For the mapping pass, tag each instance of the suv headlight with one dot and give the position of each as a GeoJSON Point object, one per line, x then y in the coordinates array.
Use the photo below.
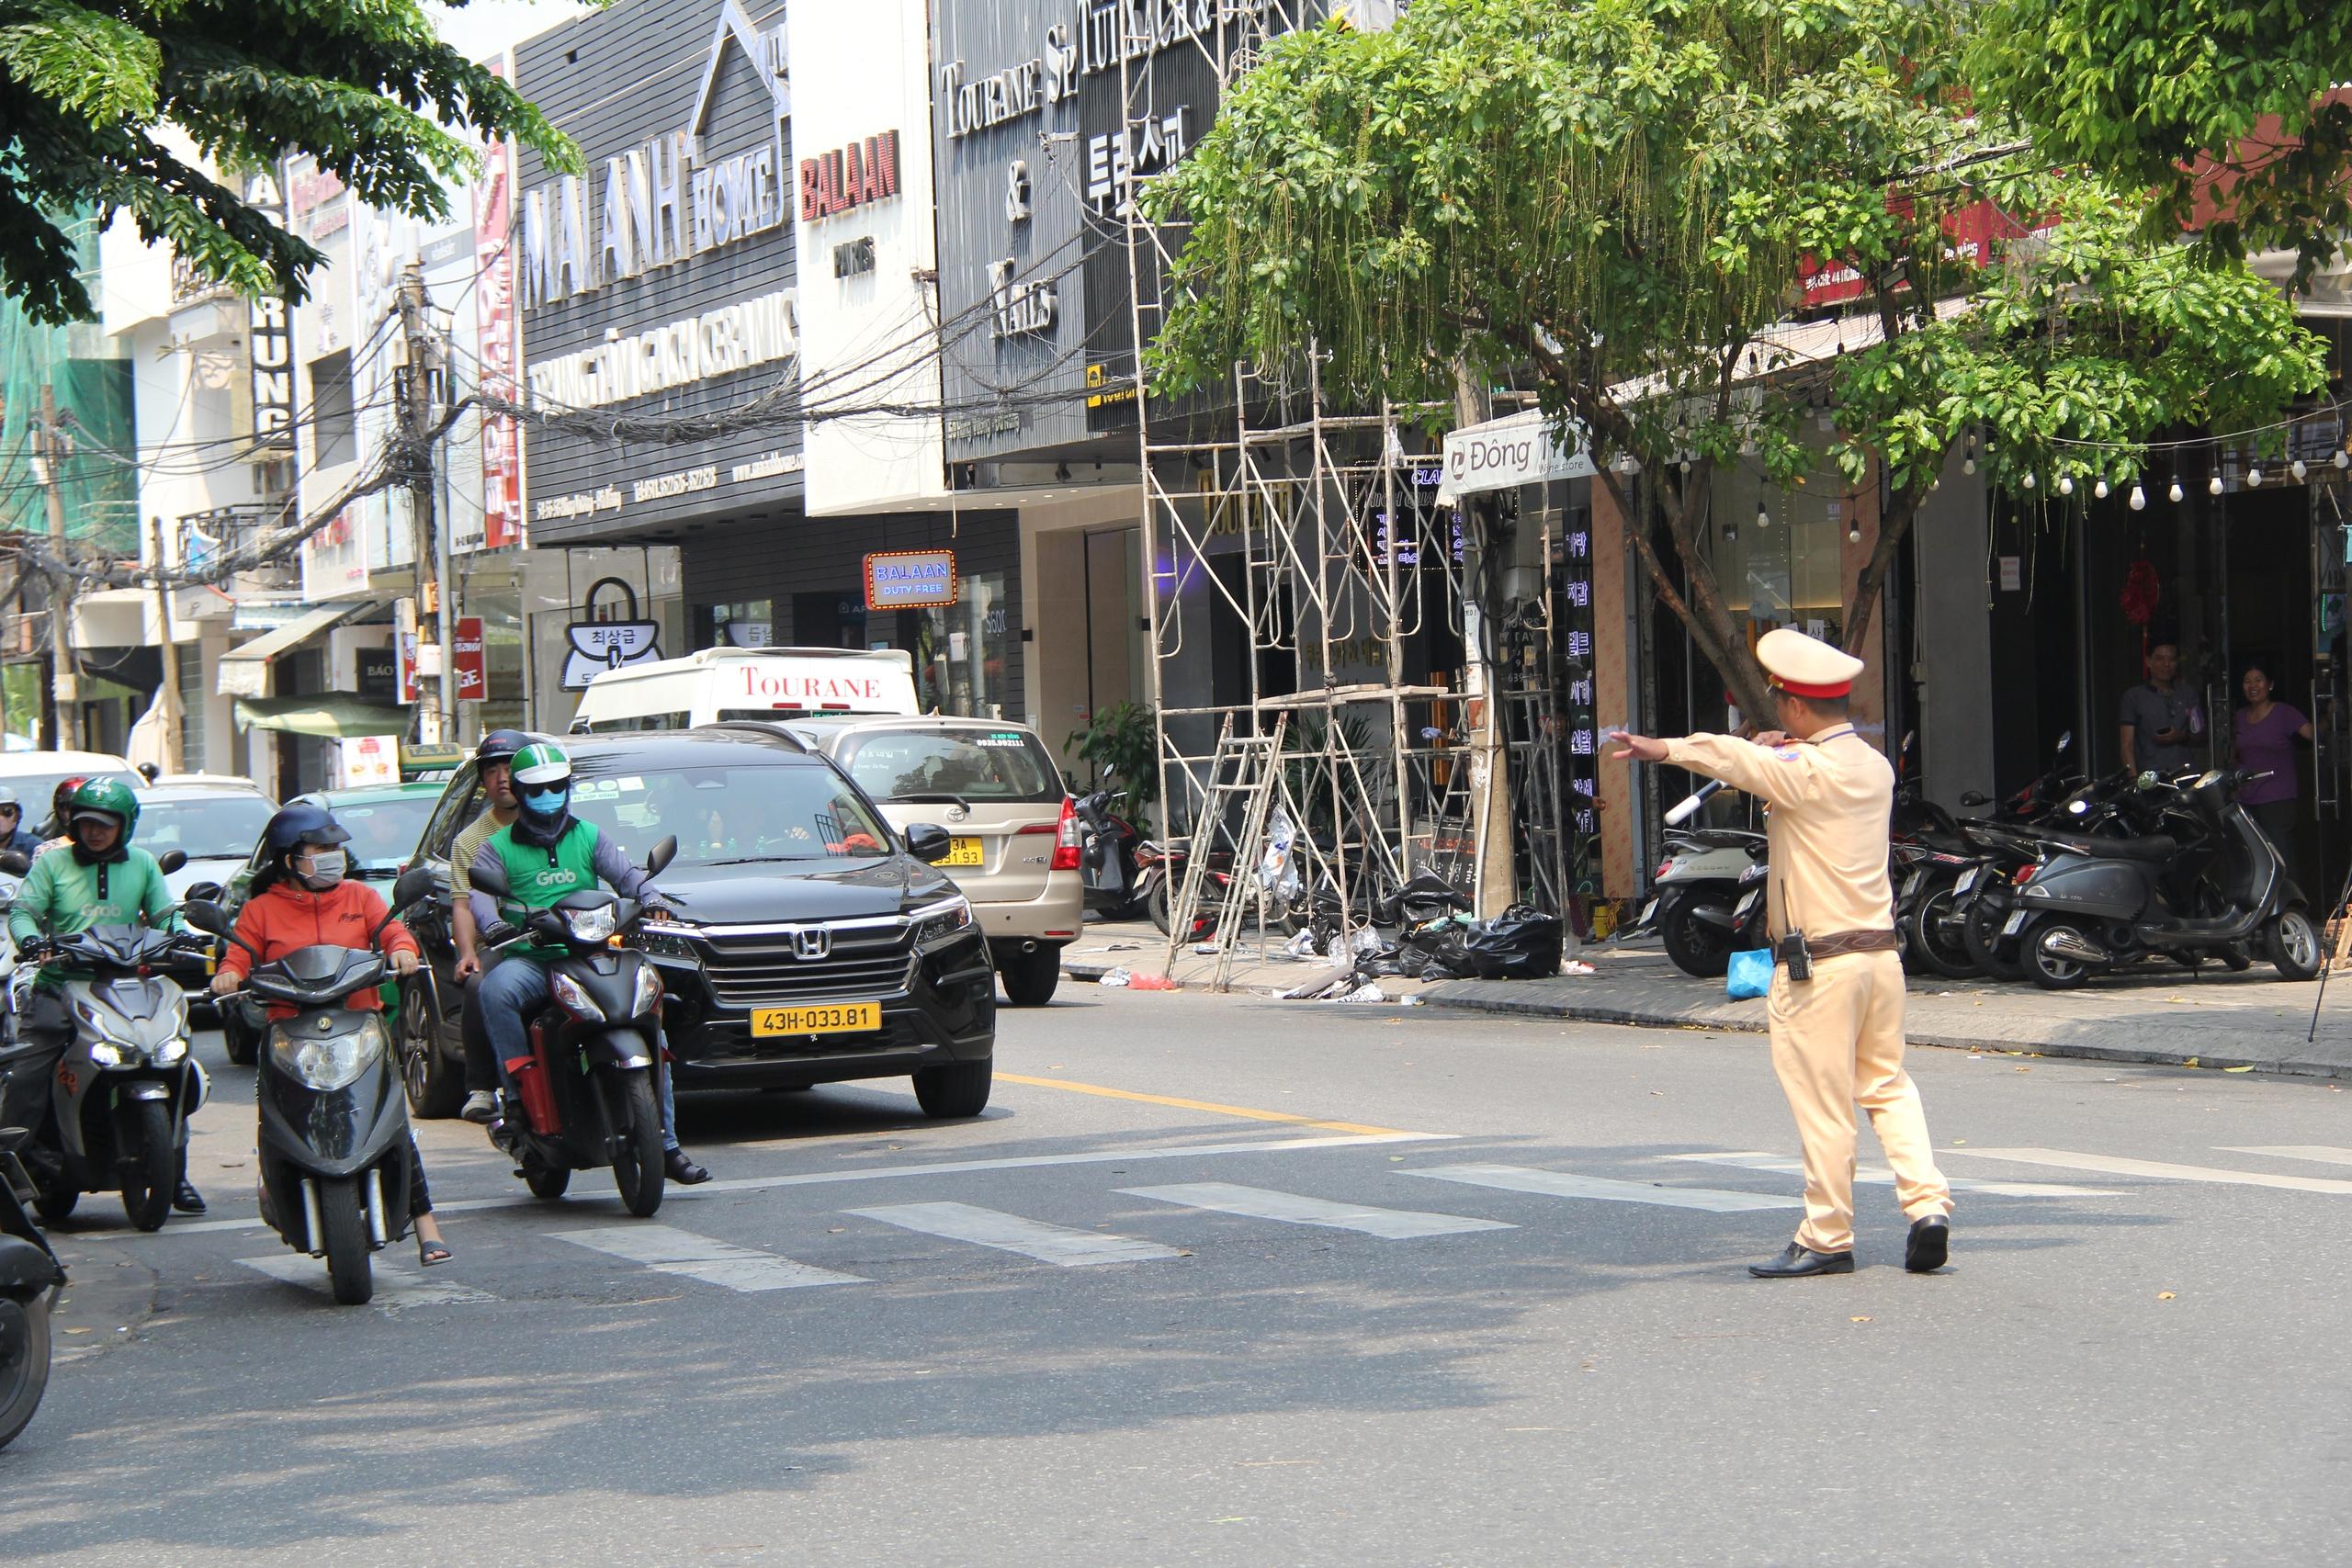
{"type": "Point", "coordinates": [590, 926]}
{"type": "Point", "coordinates": [942, 921]}
{"type": "Point", "coordinates": [576, 1001]}
{"type": "Point", "coordinates": [330, 1062]}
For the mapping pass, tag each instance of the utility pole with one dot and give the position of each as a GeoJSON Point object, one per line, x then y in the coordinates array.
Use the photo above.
{"type": "Point", "coordinates": [167, 697]}
{"type": "Point", "coordinates": [50, 448]}
{"type": "Point", "coordinates": [420, 361]}
{"type": "Point", "coordinates": [1490, 812]}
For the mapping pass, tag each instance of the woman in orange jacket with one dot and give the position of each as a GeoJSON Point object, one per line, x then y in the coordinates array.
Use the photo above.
{"type": "Point", "coordinates": [300, 898]}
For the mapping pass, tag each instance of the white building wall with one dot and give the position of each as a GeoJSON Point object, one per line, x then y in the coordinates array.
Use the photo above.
{"type": "Point", "coordinates": [860, 72]}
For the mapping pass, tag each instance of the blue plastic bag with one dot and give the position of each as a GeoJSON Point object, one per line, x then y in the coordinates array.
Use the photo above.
{"type": "Point", "coordinates": [1750, 974]}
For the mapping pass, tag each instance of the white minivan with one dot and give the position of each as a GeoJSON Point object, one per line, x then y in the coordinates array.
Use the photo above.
{"type": "Point", "coordinates": [722, 684]}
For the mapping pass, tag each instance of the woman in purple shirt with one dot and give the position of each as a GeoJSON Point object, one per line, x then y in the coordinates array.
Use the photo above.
{"type": "Point", "coordinates": [2266, 732]}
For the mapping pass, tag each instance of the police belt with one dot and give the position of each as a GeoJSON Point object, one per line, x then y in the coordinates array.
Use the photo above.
{"type": "Point", "coordinates": [1837, 944]}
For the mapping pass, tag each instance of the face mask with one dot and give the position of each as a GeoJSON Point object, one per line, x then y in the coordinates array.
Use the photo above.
{"type": "Point", "coordinates": [327, 867]}
{"type": "Point", "coordinates": [544, 802]}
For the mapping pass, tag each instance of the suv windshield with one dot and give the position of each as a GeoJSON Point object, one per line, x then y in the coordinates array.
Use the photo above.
{"type": "Point", "coordinates": [35, 791]}
{"type": "Point", "coordinates": [970, 764]}
{"type": "Point", "coordinates": [721, 813]}
{"type": "Point", "coordinates": [219, 827]}
{"type": "Point", "coordinates": [384, 832]}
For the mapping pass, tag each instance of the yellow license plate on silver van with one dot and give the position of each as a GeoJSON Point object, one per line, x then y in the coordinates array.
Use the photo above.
{"type": "Point", "coordinates": [824, 1018]}
{"type": "Point", "coordinates": [964, 851]}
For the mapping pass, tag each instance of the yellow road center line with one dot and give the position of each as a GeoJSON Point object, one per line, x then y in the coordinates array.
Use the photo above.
{"type": "Point", "coordinates": [1207, 1105]}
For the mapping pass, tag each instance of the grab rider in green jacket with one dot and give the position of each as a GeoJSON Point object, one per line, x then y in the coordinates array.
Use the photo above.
{"type": "Point", "coordinates": [545, 854]}
{"type": "Point", "coordinates": [98, 880]}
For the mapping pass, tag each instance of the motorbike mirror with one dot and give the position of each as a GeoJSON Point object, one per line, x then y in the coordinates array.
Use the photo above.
{"type": "Point", "coordinates": [2147, 779]}
{"type": "Point", "coordinates": [170, 860]}
{"type": "Point", "coordinates": [15, 862]}
{"type": "Point", "coordinates": [930, 843]}
{"type": "Point", "coordinates": [492, 879]}
{"type": "Point", "coordinates": [206, 916]}
{"type": "Point", "coordinates": [415, 887]}
{"type": "Point", "coordinates": [204, 890]}
{"type": "Point", "coordinates": [1976, 797]}
{"type": "Point", "coordinates": [2067, 740]}
{"type": "Point", "coordinates": [663, 853]}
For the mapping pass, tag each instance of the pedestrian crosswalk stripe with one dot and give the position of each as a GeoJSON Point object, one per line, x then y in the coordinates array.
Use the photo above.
{"type": "Point", "coordinates": [1756, 1159]}
{"type": "Point", "coordinates": [1010, 1233]}
{"type": "Point", "coordinates": [2115, 1165]}
{"type": "Point", "coordinates": [395, 1288]}
{"type": "Point", "coordinates": [669, 1250]}
{"type": "Point", "coordinates": [2322, 1153]}
{"type": "Point", "coordinates": [1261, 1203]}
{"type": "Point", "coordinates": [1561, 1184]}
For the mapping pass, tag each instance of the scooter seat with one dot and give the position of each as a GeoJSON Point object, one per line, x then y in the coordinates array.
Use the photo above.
{"type": "Point", "coordinates": [2156, 847]}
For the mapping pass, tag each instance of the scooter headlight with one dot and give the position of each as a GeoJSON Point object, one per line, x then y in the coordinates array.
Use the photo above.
{"type": "Point", "coordinates": [590, 926]}
{"type": "Point", "coordinates": [648, 990]}
{"type": "Point", "coordinates": [169, 1051]}
{"type": "Point", "coordinates": [575, 1001]}
{"type": "Point", "coordinates": [106, 1054]}
{"type": "Point", "coordinates": [328, 1062]}
{"type": "Point", "coordinates": [109, 1047]}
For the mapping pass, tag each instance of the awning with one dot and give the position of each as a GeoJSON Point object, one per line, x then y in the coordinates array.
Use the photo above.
{"type": "Point", "coordinates": [245, 670]}
{"type": "Point", "coordinates": [328, 713]}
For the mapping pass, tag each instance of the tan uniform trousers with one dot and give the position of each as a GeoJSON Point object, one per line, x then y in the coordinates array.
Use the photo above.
{"type": "Point", "coordinates": [1836, 1042]}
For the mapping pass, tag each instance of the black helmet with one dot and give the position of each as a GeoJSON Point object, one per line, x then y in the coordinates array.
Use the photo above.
{"type": "Point", "coordinates": [500, 746]}
{"type": "Point", "coordinates": [301, 824]}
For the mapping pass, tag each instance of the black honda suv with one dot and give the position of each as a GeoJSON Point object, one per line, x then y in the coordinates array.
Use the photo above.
{"type": "Point", "coordinates": [807, 943]}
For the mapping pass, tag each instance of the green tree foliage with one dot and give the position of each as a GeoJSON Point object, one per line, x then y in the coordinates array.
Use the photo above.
{"type": "Point", "coordinates": [1618, 202]}
{"type": "Point", "coordinates": [2143, 90]}
{"type": "Point", "coordinates": [365, 87]}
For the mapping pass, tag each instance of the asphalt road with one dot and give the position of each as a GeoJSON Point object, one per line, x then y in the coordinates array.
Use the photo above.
{"type": "Point", "coordinates": [1046, 1337]}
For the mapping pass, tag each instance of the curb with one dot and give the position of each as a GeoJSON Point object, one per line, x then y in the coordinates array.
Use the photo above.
{"type": "Point", "coordinates": [1641, 1018]}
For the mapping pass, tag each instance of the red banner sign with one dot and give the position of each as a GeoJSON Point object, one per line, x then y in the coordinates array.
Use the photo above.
{"type": "Point", "coordinates": [499, 328]}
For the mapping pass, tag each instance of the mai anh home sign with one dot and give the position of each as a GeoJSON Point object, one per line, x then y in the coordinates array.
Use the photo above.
{"type": "Point", "coordinates": [912, 580]}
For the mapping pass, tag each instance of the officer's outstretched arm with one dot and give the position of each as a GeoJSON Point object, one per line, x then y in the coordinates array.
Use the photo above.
{"type": "Point", "coordinates": [1777, 774]}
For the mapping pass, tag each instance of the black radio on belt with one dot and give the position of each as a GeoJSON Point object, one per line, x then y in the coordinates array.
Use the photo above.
{"type": "Point", "coordinates": [1795, 956]}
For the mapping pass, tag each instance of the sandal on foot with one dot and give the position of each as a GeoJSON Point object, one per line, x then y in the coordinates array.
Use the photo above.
{"type": "Point", "coordinates": [428, 1253]}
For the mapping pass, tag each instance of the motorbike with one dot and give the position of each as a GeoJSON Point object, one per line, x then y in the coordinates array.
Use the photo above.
{"type": "Point", "coordinates": [31, 1281]}
{"type": "Point", "coordinates": [120, 1097]}
{"type": "Point", "coordinates": [333, 1136]}
{"type": "Point", "coordinates": [2092, 905]}
{"type": "Point", "coordinates": [1107, 861]}
{"type": "Point", "coordinates": [1708, 900]}
{"type": "Point", "coordinates": [585, 1095]}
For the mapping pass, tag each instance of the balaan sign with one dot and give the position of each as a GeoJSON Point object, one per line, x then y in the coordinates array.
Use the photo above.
{"type": "Point", "coordinates": [664, 201]}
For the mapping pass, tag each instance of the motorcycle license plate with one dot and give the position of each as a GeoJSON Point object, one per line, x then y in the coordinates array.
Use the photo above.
{"type": "Point", "coordinates": [964, 851]}
{"type": "Point", "coordinates": [2016, 922]}
{"type": "Point", "coordinates": [823, 1018]}
{"type": "Point", "coordinates": [1649, 910]}
{"type": "Point", "coordinates": [1967, 880]}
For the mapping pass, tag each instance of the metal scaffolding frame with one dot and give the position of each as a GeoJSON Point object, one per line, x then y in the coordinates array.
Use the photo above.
{"type": "Point", "coordinates": [1290, 535]}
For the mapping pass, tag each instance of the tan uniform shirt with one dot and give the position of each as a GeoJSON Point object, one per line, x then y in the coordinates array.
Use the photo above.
{"type": "Point", "coordinates": [461, 856]}
{"type": "Point", "coordinates": [1833, 801]}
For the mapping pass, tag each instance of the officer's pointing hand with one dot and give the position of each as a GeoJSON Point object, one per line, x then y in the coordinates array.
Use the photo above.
{"type": "Point", "coordinates": [1635, 747]}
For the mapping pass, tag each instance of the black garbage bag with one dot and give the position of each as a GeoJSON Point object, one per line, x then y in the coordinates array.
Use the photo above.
{"type": "Point", "coordinates": [1521, 944]}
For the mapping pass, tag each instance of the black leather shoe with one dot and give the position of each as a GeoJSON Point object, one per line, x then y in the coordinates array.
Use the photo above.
{"type": "Point", "coordinates": [1930, 1245]}
{"type": "Point", "coordinates": [187, 1199]}
{"type": "Point", "coordinates": [1796, 1262]}
{"type": "Point", "coordinates": [684, 1171]}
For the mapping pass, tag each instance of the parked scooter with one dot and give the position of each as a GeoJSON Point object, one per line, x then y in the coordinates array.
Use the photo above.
{"type": "Point", "coordinates": [30, 1281]}
{"type": "Point", "coordinates": [586, 1092]}
{"type": "Point", "coordinates": [1708, 901]}
{"type": "Point", "coordinates": [333, 1132]}
{"type": "Point", "coordinates": [120, 1097]}
{"type": "Point", "coordinates": [2094, 905]}
{"type": "Point", "coordinates": [1113, 880]}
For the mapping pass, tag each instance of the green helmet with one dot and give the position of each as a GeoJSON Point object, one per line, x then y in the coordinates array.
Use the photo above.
{"type": "Point", "coordinates": [111, 796]}
{"type": "Point", "coordinates": [540, 765]}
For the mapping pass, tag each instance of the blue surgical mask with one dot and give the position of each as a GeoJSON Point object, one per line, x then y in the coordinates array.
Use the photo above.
{"type": "Point", "coordinates": [544, 802]}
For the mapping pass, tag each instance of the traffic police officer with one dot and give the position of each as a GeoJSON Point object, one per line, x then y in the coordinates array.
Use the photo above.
{"type": "Point", "coordinates": [1835, 1005]}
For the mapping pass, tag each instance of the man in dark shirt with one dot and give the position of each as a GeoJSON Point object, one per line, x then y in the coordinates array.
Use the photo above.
{"type": "Point", "coordinates": [2162, 725]}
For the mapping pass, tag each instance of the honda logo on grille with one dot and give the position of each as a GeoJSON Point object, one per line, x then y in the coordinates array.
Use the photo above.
{"type": "Point", "coordinates": [810, 942]}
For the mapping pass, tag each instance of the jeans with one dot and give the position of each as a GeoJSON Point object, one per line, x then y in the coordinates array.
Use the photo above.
{"type": "Point", "coordinates": [516, 990]}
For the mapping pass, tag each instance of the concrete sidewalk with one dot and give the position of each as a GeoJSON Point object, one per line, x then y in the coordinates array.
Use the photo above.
{"type": "Point", "coordinates": [2209, 1018]}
